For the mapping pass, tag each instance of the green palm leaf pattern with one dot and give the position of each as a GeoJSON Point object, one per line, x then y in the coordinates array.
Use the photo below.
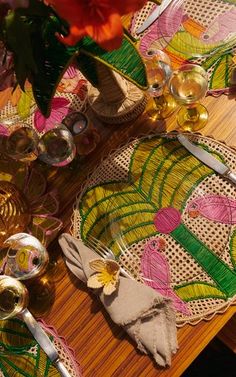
{"type": "Point", "coordinates": [196, 291]}
{"type": "Point", "coordinates": [233, 249]}
{"type": "Point", "coordinates": [16, 356]}
{"type": "Point", "coordinates": [157, 179]}
{"type": "Point", "coordinates": [156, 170]}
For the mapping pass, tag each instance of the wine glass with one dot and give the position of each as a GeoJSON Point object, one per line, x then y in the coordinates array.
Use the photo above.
{"type": "Point", "coordinates": [22, 143]}
{"type": "Point", "coordinates": [26, 256]}
{"type": "Point", "coordinates": [13, 297]}
{"type": "Point", "coordinates": [158, 67]}
{"type": "Point", "coordinates": [57, 147]}
{"type": "Point", "coordinates": [188, 85]}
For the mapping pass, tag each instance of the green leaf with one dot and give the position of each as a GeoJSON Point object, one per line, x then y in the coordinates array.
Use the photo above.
{"type": "Point", "coordinates": [198, 290]}
{"type": "Point", "coordinates": [233, 249]}
{"type": "Point", "coordinates": [24, 104]}
{"type": "Point", "coordinates": [18, 40]}
{"type": "Point", "coordinates": [126, 60]}
{"type": "Point", "coordinates": [16, 356]}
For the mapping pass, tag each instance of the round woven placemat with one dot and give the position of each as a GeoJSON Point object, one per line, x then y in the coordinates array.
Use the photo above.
{"type": "Point", "coordinates": [118, 205]}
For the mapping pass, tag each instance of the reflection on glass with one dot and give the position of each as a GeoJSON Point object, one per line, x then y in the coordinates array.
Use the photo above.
{"type": "Point", "coordinates": [56, 147]}
{"type": "Point", "coordinates": [158, 67]}
{"type": "Point", "coordinates": [22, 143]}
{"type": "Point", "coordinates": [26, 256]}
{"type": "Point", "coordinates": [188, 85]}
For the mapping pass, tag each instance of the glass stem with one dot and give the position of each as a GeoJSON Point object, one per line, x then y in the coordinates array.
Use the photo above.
{"type": "Point", "coordinates": [192, 114]}
{"type": "Point", "coordinates": [160, 102]}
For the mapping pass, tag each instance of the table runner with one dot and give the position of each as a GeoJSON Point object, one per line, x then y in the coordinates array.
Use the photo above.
{"type": "Point", "coordinates": [20, 354]}
{"type": "Point", "coordinates": [119, 206]}
{"type": "Point", "coordinates": [202, 32]}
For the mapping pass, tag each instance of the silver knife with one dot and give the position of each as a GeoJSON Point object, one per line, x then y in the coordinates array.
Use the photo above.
{"type": "Point", "coordinates": [153, 16]}
{"type": "Point", "coordinates": [44, 342]}
{"type": "Point", "coordinates": [207, 158]}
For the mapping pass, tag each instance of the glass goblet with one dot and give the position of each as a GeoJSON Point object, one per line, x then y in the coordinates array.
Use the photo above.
{"type": "Point", "coordinates": [22, 143]}
{"type": "Point", "coordinates": [26, 256]}
{"type": "Point", "coordinates": [13, 297]}
{"type": "Point", "coordinates": [158, 67]}
{"type": "Point", "coordinates": [57, 147]}
{"type": "Point", "coordinates": [188, 85]}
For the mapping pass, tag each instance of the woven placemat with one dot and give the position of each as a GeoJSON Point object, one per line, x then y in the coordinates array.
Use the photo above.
{"type": "Point", "coordinates": [20, 354]}
{"type": "Point", "coordinates": [187, 251]}
{"type": "Point", "coordinates": [18, 106]}
{"type": "Point", "coordinates": [202, 31]}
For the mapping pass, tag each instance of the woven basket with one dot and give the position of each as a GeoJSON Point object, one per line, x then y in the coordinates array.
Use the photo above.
{"type": "Point", "coordinates": [115, 100]}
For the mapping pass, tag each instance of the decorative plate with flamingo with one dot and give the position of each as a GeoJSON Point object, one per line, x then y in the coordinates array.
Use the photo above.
{"type": "Point", "coordinates": [169, 219]}
{"type": "Point", "coordinates": [203, 32]}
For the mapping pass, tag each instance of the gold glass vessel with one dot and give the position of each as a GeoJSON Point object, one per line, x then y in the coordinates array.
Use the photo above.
{"type": "Point", "coordinates": [14, 211]}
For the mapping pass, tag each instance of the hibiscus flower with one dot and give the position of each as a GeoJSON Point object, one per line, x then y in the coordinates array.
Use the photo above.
{"type": "Point", "coordinates": [99, 19]}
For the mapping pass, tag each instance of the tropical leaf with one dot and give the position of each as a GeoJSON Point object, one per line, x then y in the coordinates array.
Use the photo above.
{"type": "Point", "coordinates": [126, 60]}
{"type": "Point", "coordinates": [24, 104]}
{"type": "Point", "coordinates": [220, 74]}
{"type": "Point", "coordinates": [158, 178]}
{"type": "Point", "coordinates": [233, 249]}
{"type": "Point", "coordinates": [16, 357]}
{"type": "Point", "coordinates": [198, 290]}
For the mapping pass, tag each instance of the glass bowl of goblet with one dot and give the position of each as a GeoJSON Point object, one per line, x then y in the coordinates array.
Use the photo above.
{"type": "Point", "coordinates": [57, 147]}
{"type": "Point", "coordinates": [26, 257]}
{"type": "Point", "coordinates": [22, 143]}
{"type": "Point", "coordinates": [158, 67]}
{"type": "Point", "coordinates": [188, 85]}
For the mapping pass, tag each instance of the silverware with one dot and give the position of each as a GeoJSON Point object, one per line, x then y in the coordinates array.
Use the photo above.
{"type": "Point", "coordinates": [105, 253]}
{"type": "Point", "coordinates": [14, 298]}
{"type": "Point", "coordinates": [154, 16]}
{"type": "Point", "coordinates": [44, 341]}
{"type": "Point", "coordinates": [207, 158]}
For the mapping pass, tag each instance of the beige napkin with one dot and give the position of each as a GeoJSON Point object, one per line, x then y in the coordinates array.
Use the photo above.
{"type": "Point", "coordinates": [147, 316]}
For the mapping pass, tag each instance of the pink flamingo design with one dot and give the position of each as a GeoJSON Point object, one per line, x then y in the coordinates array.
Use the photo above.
{"type": "Point", "coordinates": [220, 28]}
{"type": "Point", "coordinates": [215, 208]}
{"type": "Point", "coordinates": [155, 271]}
{"type": "Point", "coordinates": [166, 26]}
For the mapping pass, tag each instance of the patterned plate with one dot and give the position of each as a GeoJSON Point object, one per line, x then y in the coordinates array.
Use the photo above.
{"type": "Point", "coordinates": [171, 216]}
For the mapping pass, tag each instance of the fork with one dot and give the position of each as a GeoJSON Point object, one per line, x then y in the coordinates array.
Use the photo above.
{"type": "Point", "coordinates": [105, 253]}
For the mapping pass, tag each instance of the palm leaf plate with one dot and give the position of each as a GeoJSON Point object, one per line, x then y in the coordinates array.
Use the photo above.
{"type": "Point", "coordinates": [153, 190]}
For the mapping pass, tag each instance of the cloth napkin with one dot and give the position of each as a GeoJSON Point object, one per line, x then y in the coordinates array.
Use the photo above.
{"type": "Point", "coordinates": [147, 316]}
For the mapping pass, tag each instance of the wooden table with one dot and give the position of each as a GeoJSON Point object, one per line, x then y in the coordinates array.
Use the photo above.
{"type": "Point", "coordinates": [102, 348]}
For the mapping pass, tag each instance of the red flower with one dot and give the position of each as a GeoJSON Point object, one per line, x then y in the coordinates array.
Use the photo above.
{"type": "Point", "coordinates": [99, 19]}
